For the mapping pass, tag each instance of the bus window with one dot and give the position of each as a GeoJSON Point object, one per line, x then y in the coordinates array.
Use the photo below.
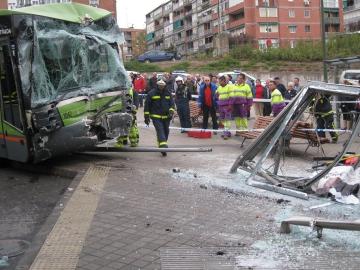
{"type": "Point", "coordinates": [8, 88]}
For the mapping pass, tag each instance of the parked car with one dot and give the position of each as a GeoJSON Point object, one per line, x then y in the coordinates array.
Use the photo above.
{"type": "Point", "coordinates": [156, 56]}
{"type": "Point", "coordinates": [235, 74]}
{"type": "Point", "coordinates": [351, 76]}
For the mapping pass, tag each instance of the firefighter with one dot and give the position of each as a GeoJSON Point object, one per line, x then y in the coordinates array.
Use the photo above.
{"type": "Point", "coordinates": [241, 99]}
{"type": "Point", "coordinates": [182, 98]}
{"type": "Point", "coordinates": [324, 116]}
{"type": "Point", "coordinates": [133, 136]}
{"type": "Point", "coordinates": [159, 107]}
{"type": "Point", "coordinates": [223, 97]}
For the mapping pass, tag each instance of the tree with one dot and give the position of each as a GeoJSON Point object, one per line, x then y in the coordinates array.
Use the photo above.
{"type": "Point", "coordinates": [140, 44]}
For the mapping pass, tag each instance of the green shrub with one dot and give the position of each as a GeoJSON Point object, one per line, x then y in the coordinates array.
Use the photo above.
{"type": "Point", "coordinates": [180, 66]}
{"type": "Point", "coordinates": [141, 67]}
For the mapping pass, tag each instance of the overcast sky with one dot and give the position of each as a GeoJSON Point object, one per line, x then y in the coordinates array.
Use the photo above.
{"type": "Point", "coordinates": [132, 12]}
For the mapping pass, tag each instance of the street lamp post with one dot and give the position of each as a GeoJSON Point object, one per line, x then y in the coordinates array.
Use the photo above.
{"type": "Point", "coordinates": [323, 40]}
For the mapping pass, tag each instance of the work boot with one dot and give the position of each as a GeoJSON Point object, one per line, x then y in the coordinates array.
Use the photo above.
{"type": "Point", "coordinates": [164, 154]}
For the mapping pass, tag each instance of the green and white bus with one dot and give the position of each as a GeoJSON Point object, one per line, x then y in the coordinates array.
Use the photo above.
{"type": "Point", "coordinates": [63, 87]}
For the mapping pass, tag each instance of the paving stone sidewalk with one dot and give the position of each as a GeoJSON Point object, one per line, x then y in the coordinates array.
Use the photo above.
{"type": "Point", "coordinates": [143, 212]}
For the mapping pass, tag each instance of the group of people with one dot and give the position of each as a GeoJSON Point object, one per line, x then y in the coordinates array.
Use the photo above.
{"type": "Point", "coordinates": [222, 99]}
{"type": "Point", "coordinates": [231, 100]}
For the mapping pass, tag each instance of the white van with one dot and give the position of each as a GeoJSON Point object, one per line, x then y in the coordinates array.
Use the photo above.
{"type": "Point", "coordinates": [351, 76]}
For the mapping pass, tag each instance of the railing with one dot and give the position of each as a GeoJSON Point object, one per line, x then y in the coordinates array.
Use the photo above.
{"type": "Point", "coordinates": [332, 20]}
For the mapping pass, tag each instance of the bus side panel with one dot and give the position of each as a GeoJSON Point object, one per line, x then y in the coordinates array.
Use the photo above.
{"type": "Point", "coordinates": [3, 152]}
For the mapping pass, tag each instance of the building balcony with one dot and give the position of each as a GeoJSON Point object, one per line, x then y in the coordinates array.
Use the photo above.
{"type": "Point", "coordinates": [191, 38]}
{"type": "Point", "coordinates": [205, 5]}
{"type": "Point", "coordinates": [179, 41]}
{"type": "Point", "coordinates": [332, 20]}
{"type": "Point", "coordinates": [207, 18]}
{"type": "Point", "coordinates": [188, 13]}
{"type": "Point", "coordinates": [188, 26]}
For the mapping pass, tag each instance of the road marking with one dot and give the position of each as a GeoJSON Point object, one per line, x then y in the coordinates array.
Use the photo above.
{"type": "Point", "coordinates": [63, 245]}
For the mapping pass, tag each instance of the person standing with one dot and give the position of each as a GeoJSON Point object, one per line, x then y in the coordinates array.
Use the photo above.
{"type": "Point", "coordinates": [190, 83]}
{"type": "Point", "coordinates": [139, 88]}
{"type": "Point", "coordinates": [259, 94]}
{"type": "Point", "coordinates": [280, 86]}
{"type": "Point", "coordinates": [223, 98]}
{"type": "Point", "coordinates": [152, 82]}
{"type": "Point", "coordinates": [159, 107]}
{"type": "Point", "coordinates": [297, 86]}
{"type": "Point", "coordinates": [277, 100]}
{"type": "Point", "coordinates": [324, 116]}
{"type": "Point", "coordinates": [182, 98]}
{"type": "Point", "coordinates": [267, 95]}
{"type": "Point", "coordinates": [207, 102]}
{"type": "Point", "coordinates": [241, 99]}
{"type": "Point", "coordinates": [290, 92]}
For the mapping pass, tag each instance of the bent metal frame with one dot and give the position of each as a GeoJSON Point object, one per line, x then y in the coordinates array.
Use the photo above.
{"type": "Point", "coordinates": [273, 138]}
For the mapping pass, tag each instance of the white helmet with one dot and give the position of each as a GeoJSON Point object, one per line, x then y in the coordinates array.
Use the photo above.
{"type": "Point", "coordinates": [178, 78]}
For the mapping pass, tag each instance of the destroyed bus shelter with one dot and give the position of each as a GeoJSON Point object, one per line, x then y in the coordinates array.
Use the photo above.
{"type": "Point", "coordinates": [273, 137]}
{"type": "Point", "coordinates": [64, 54]}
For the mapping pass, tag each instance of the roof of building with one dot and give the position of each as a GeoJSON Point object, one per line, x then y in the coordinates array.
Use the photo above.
{"type": "Point", "coordinates": [71, 12]}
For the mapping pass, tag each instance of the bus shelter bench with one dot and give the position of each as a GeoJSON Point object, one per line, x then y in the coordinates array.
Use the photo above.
{"type": "Point", "coordinates": [311, 136]}
{"type": "Point", "coordinates": [296, 132]}
{"type": "Point", "coordinates": [261, 122]}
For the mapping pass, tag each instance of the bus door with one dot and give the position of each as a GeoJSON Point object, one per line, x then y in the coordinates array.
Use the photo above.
{"type": "Point", "coordinates": [13, 141]}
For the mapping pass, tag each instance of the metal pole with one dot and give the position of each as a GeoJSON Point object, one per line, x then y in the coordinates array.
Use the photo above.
{"type": "Point", "coordinates": [323, 40]}
{"type": "Point", "coordinates": [147, 149]}
{"type": "Point", "coordinates": [219, 23]}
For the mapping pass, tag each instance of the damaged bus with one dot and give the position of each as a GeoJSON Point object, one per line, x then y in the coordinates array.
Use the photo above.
{"type": "Point", "coordinates": [63, 85]}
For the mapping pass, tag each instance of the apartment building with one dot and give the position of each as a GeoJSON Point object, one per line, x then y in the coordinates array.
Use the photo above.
{"type": "Point", "coordinates": [134, 42]}
{"type": "Point", "coordinates": [109, 5]}
{"type": "Point", "coordinates": [352, 15]}
{"type": "Point", "coordinates": [194, 25]}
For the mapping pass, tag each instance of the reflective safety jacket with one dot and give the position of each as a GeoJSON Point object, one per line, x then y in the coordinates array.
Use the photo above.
{"type": "Point", "coordinates": [276, 97]}
{"type": "Point", "coordinates": [159, 104]}
{"type": "Point", "coordinates": [241, 94]}
{"type": "Point", "coordinates": [223, 94]}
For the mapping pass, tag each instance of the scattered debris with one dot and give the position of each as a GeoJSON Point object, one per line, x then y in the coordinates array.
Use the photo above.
{"type": "Point", "coordinates": [70, 189]}
{"type": "Point", "coordinates": [176, 170]}
{"type": "Point", "coordinates": [203, 186]}
{"type": "Point", "coordinates": [4, 261]}
{"type": "Point", "coordinates": [168, 230]}
{"type": "Point", "coordinates": [220, 253]}
{"type": "Point", "coordinates": [280, 201]}
{"type": "Point", "coordinates": [34, 179]}
{"type": "Point", "coordinates": [319, 206]}
{"type": "Point", "coordinates": [195, 175]}
{"type": "Point", "coordinates": [148, 224]}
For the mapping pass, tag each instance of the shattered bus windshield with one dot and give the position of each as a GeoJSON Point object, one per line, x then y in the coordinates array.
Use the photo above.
{"type": "Point", "coordinates": [71, 60]}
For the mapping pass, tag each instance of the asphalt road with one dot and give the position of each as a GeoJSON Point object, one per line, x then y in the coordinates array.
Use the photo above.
{"type": "Point", "coordinates": [26, 201]}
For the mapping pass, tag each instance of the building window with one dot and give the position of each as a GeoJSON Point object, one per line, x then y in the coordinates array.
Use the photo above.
{"type": "Point", "coordinates": [269, 28]}
{"type": "Point", "coordinates": [292, 44]}
{"type": "Point", "coordinates": [307, 13]}
{"type": "Point", "coordinates": [307, 28]}
{"type": "Point", "coordinates": [292, 28]}
{"type": "Point", "coordinates": [291, 13]}
{"type": "Point", "coordinates": [268, 12]}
